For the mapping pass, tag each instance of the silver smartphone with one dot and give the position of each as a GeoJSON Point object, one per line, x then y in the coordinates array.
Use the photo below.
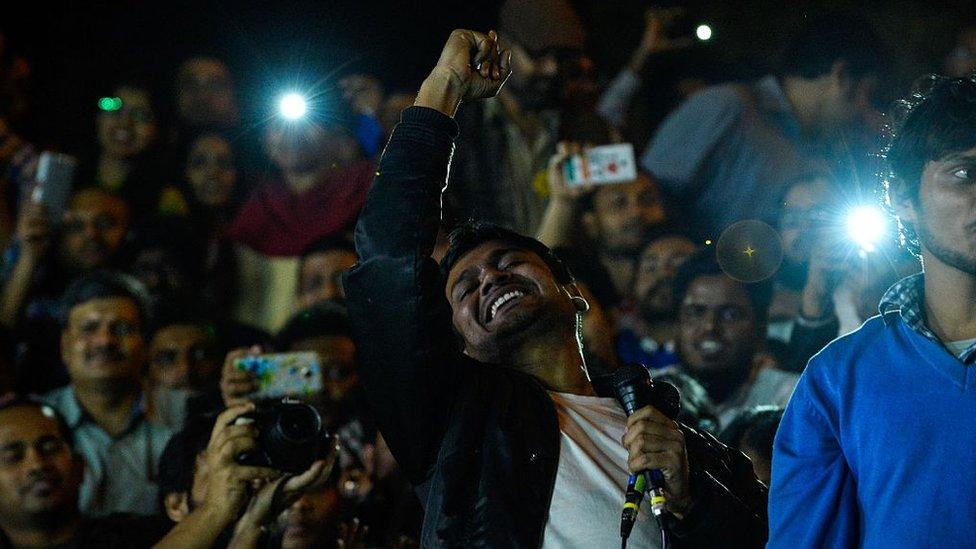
{"type": "Point", "coordinates": [55, 175]}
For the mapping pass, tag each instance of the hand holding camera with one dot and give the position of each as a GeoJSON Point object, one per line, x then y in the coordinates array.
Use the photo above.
{"type": "Point", "coordinates": [229, 485]}
{"type": "Point", "coordinates": [827, 267]}
{"type": "Point", "coordinates": [262, 458]}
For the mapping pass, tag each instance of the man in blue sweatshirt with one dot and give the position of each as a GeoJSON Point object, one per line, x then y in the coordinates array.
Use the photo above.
{"type": "Point", "coordinates": [876, 447]}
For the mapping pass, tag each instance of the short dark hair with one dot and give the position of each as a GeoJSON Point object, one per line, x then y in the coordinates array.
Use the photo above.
{"type": "Point", "coordinates": [471, 234]}
{"type": "Point", "coordinates": [322, 319]}
{"type": "Point", "coordinates": [830, 37]}
{"type": "Point", "coordinates": [177, 464]}
{"type": "Point", "coordinates": [103, 284]}
{"type": "Point", "coordinates": [705, 263]}
{"type": "Point", "coordinates": [18, 401]}
{"type": "Point", "coordinates": [937, 119]}
{"type": "Point", "coordinates": [755, 428]}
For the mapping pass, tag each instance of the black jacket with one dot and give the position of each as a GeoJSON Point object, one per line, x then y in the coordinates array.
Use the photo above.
{"type": "Point", "coordinates": [480, 442]}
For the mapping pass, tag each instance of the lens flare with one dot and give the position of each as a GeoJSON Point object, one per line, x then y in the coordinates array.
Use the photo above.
{"type": "Point", "coordinates": [293, 106]}
{"type": "Point", "coordinates": [865, 226]}
{"type": "Point", "coordinates": [703, 32]}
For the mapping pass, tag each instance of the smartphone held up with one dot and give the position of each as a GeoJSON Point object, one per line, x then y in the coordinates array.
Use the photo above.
{"type": "Point", "coordinates": [55, 175]}
{"type": "Point", "coordinates": [601, 165]}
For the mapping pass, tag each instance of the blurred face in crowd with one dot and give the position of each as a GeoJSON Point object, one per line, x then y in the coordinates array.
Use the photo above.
{"type": "Point", "coordinates": [623, 213]}
{"type": "Point", "coordinates": [392, 106]}
{"type": "Point", "coordinates": [961, 61]}
{"type": "Point", "coordinates": [944, 212]}
{"type": "Point", "coordinates": [337, 355]}
{"type": "Point", "coordinates": [307, 146]}
{"type": "Point", "coordinates": [552, 79]}
{"type": "Point", "coordinates": [205, 93]}
{"type": "Point", "coordinates": [211, 170]}
{"type": "Point", "coordinates": [93, 230]}
{"type": "Point", "coordinates": [180, 356]}
{"type": "Point", "coordinates": [129, 131]}
{"type": "Point", "coordinates": [654, 282]}
{"type": "Point", "coordinates": [319, 276]}
{"type": "Point", "coordinates": [843, 102]}
{"type": "Point", "coordinates": [103, 343]}
{"type": "Point", "coordinates": [313, 520]}
{"type": "Point", "coordinates": [164, 276]}
{"type": "Point", "coordinates": [502, 297]}
{"type": "Point", "coordinates": [39, 474]}
{"type": "Point", "coordinates": [802, 215]}
{"type": "Point", "coordinates": [718, 331]}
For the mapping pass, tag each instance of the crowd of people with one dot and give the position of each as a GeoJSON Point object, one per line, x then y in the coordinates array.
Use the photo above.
{"type": "Point", "coordinates": [452, 322]}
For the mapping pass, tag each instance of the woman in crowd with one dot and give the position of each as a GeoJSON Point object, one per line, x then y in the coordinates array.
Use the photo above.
{"type": "Point", "coordinates": [128, 160]}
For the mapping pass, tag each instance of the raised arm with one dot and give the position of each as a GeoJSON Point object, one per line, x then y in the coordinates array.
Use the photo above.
{"type": "Point", "coordinates": [616, 99]}
{"type": "Point", "coordinates": [400, 317]}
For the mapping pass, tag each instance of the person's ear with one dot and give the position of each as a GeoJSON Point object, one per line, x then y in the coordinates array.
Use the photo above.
{"type": "Point", "coordinates": [903, 203]}
{"type": "Point", "coordinates": [176, 505]}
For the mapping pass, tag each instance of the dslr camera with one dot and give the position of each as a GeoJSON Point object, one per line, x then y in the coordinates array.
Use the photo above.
{"type": "Point", "coordinates": [291, 436]}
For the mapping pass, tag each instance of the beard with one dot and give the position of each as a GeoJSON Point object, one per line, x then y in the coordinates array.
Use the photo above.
{"type": "Point", "coordinates": [721, 384]}
{"type": "Point", "coordinates": [656, 310]}
{"type": "Point", "coordinates": [953, 258]}
{"type": "Point", "coordinates": [520, 330]}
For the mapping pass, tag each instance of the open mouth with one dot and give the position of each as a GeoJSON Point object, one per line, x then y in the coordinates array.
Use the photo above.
{"type": "Point", "coordinates": [500, 302]}
{"type": "Point", "coordinates": [710, 347]}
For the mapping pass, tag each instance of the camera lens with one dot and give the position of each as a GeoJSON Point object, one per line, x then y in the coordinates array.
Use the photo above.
{"type": "Point", "coordinates": [298, 422]}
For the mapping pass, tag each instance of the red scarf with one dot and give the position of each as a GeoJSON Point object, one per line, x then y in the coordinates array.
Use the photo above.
{"type": "Point", "coordinates": [277, 222]}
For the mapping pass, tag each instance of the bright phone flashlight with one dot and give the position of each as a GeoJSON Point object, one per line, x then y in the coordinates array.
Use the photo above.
{"type": "Point", "coordinates": [109, 104]}
{"type": "Point", "coordinates": [292, 106]}
{"type": "Point", "coordinates": [865, 226]}
{"type": "Point", "coordinates": [703, 32]}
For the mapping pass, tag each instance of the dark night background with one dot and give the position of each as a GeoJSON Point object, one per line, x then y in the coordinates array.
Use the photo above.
{"type": "Point", "coordinates": [77, 51]}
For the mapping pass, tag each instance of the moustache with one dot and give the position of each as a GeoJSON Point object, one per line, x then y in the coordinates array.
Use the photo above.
{"type": "Point", "coordinates": [38, 477]}
{"type": "Point", "coordinates": [105, 354]}
{"type": "Point", "coordinates": [93, 247]}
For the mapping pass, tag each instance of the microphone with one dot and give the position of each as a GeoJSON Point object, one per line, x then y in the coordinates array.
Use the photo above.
{"type": "Point", "coordinates": [631, 385]}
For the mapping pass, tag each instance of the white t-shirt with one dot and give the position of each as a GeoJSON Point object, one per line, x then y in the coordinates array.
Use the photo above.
{"type": "Point", "coordinates": [957, 348]}
{"type": "Point", "coordinates": [591, 478]}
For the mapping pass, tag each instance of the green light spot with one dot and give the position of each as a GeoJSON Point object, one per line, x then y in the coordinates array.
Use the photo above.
{"type": "Point", "coordinates": [110, 104]}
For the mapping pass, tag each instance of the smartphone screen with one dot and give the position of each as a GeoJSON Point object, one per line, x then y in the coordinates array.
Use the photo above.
{"type": "Point", "coordinates": [601, 165]}
{"type": "Point", "coordinates": [284, 374]}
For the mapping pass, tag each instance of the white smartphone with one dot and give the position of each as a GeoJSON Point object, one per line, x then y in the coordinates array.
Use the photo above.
{"type": "Point", "coordinates": [601, 165]}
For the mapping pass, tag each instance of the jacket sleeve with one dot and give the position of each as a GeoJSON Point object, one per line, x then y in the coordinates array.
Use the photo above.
{"type": "Point", "coordinates": [730, 501]}
{"type": "Point", "coordinates": [400, 317]}
{"type": "Point", "coordinates": [813, 494]}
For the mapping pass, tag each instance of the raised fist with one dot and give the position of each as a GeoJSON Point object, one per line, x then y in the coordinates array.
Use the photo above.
{"type": "Point", "coordinates": [470, 67]}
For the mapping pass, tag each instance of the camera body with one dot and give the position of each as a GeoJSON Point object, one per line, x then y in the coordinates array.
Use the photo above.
{"type": "Point", "coordinates": [291, 436]}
